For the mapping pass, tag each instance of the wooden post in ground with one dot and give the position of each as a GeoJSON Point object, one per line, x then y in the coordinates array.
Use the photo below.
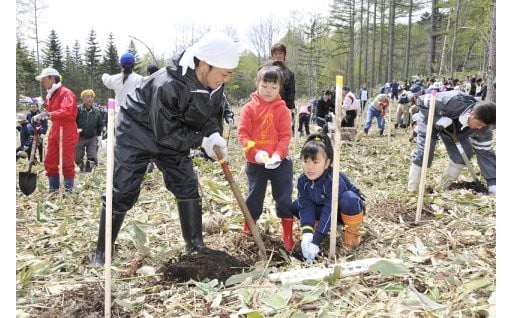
{"type": "Point", "coordinates": [426, 155]}
{"type": "Point", "coordinates": [108, 205]}
{"type": "Point", "coordinates": [336, 165]}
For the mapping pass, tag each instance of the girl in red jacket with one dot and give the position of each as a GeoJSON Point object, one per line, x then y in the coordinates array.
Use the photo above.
{"type": "Point", "coordinates": [264, 132]}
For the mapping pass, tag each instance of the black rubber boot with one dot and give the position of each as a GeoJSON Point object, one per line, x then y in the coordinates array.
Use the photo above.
{"type": "Point", "coordinates": [191, 219]}
{"type": "Point", "coordinates": [98, 258]}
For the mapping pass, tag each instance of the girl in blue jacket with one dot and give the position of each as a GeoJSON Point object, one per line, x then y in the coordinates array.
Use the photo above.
{"type": "Point", "coordinates": [313, 205]}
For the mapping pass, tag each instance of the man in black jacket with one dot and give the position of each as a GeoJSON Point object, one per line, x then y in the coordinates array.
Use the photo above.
{"type": "Point", "coordinates": [278, 53]}
{"type": "Point", "coordinates": [171, 113]}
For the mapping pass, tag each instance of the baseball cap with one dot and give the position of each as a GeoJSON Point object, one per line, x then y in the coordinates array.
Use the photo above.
{"type": "Point", "coordinates": [47, 72]}
{"type": "Point", "coordinates": [127, 59]}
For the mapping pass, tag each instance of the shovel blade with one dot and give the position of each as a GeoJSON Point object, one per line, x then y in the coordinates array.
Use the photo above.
{"type": "Point", "coordinates": [27, 182]}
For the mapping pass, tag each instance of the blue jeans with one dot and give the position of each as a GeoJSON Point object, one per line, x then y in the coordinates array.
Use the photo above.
{"type": "Point", "coordinates": [374, 112]}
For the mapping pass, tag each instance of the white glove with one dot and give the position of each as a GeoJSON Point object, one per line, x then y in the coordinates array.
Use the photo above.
{"type": "Point", "coordinates": [261, 156]}
{"type": "Point", "coordinates": [41, 116]}
{"type": "Point", "coordinates": [273, 162]}
{"type": "Point", "coordinates": [99, 141]}
{"type": "Point", "coordinates": [492, 189]}
{"type": "Point", "coordinates": [444, 122]}
{"type": "Point", "coordinates": [215, 139]}
{"type": "Point", "coordinates": [309, 249]}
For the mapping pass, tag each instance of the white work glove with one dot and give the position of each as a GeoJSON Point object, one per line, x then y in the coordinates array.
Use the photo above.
{"type": "Point", "coordinates": [261, 156]}
{"type": "Point", "coordinates": [99, 141]}
{"type": "Point", "coordinates": [215, 139]}
{"type": "Point", "coordinates": [309, 249]}
{"type": "Point", "coordinates": [273, 162]}
{"type": "Point", "coordinates": [443, 122]}
{"type": "Point", "coordinates": [492, 189]}
{"type": "Point", "coordinates": [41, 116]}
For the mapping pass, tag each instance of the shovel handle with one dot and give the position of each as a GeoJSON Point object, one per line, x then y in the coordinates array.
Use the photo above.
{"type": "Point", "coordinates": [464, 156]}
{"type": "Point", "coordinates": [35, 140]}
{"type": "Point", "coordinates": [247, 215]}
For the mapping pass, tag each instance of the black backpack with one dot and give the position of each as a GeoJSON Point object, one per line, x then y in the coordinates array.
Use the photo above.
{"type": "Point", "coordinates": [403, 99]}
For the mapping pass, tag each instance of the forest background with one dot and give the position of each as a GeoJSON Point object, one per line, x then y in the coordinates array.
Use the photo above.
{"type": "Point", "coordinates": [370, 42]}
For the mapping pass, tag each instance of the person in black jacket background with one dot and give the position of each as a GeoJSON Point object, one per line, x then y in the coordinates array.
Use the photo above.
{"type": "Point", "coordinates": [171, 112]}
{"type": "Point", "coordinates": [90, 126]}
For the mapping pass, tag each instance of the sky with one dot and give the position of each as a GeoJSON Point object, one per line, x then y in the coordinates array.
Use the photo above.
{"type": "Point", "coordinates": [158, 24]}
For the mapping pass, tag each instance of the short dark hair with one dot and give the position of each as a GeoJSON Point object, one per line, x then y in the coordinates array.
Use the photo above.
{"type": "Point", "coordinates": [270, 74]}
{"type": "Point", "coordinates": [485, 111]}
{"type": "Point", "coordinates": [278, 47]}
{"type": "Point", "coordinates": [151, 68]}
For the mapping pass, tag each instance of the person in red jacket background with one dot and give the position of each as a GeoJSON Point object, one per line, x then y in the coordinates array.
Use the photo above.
{"type": "Point", "coordinates": [61, 108]}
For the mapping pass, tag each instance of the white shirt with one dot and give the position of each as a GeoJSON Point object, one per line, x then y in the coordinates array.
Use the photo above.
{"type": "Point", "coordinates": [349, 101]}
{"type": "Point", "coordinates": [121, 89]}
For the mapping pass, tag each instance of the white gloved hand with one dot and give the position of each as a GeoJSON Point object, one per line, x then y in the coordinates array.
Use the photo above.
{"type": "Point", "coordinates": [310, 251]}
{"type": "Point", "coordinates": [41, 116]}
{"type": "Point", "coordinates": [215, 139]}
{"type": "Point", "coordinates": [307, 251]}
{"type": "Point", "coordinates": [444, 122]}
{"type": "Point", "coordinates": [273, 162]}
{"type": "Point", "coordinates": [261, 156]}
{"type": "Point", "coordinates": [99, 142]}
{"type": "Point", "coordinates": [492, 189]}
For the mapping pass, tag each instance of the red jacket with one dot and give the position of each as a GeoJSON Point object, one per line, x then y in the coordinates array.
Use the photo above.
{"type": "Point", "coordinates": [63, 108]}
{"type": "Point", "coordinates": [269, 125]}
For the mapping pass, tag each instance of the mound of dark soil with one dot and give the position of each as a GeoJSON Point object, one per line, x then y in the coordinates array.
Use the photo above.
{"type": "Point", "coordinates": [207, 263]}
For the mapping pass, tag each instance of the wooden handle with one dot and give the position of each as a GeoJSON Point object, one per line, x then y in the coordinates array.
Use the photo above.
{"type": "Point", "coordinates": [241, 202]}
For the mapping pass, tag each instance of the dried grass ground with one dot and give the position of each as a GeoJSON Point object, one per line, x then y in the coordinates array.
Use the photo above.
{"type": "Point", "coordinates": [450, 255]}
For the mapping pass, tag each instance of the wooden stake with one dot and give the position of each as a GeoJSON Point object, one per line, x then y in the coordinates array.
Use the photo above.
{"type": "Point", "coordinates": [61, 168]}
{"type": "Point", "coordinates": [108, 212]}
{"type": "Point", "coordinates": [336, 165]}
{"type": "Point", "coordinates": [426, 155]}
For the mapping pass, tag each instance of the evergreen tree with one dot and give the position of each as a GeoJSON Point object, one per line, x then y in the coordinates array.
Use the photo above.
{"type": "Point", "coordinates": [52, 52]}
{"type": "Point", "coordinates": [26, 68]}
{"type": "Point", "coordinates": [92, 60]}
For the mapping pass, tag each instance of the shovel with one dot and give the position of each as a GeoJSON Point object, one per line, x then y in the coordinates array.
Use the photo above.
{"type": "Point", "coordinates": [28, 180]}
{"type": "Point", "coordinates": [478, 184]}
{"type": "Point", "coordinates": [245, 210]}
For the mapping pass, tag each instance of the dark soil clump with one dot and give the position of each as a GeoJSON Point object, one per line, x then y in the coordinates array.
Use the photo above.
{"type": "Point", "coordinates": [205, 264]}
{"type": "Point", "coordinates": [476, 187]}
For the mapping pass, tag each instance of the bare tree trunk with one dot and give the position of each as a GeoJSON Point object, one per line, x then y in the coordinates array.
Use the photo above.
{"type": "Point", "coordinates": [391, 44]}
{"type": "Point", "coordinates": [433, 38]}
{"type": "Point", "coordinates": [454, 37]}
{"type": "Point", "coordinates": [367, 41]}
{"type": "Point", "coordinates": [491, 79]}
{"type": "Point", "coordinates": [381, 53]}
{"type": "Point", "coordinates": [351, 45]}
{"type": "Point", "coordinates": [441, 63]}
{"type": "Point", "coordinates": [374, 42]}
{"type": "Point", "coordinates": [405, 73]}
{"type": "Point", "coordinates": [361, 23]}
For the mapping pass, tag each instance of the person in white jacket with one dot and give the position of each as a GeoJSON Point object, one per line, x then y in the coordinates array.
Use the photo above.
{"type": "Point", "coordinates": [124, 82]}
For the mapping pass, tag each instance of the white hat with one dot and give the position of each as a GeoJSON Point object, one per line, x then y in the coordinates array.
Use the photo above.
{"type": "Point", "coordinates": [215, 48]}
{"type": "Point", "coordinates": [47, 72]}
{"type": "Point", "coordinates": [20, 117]}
